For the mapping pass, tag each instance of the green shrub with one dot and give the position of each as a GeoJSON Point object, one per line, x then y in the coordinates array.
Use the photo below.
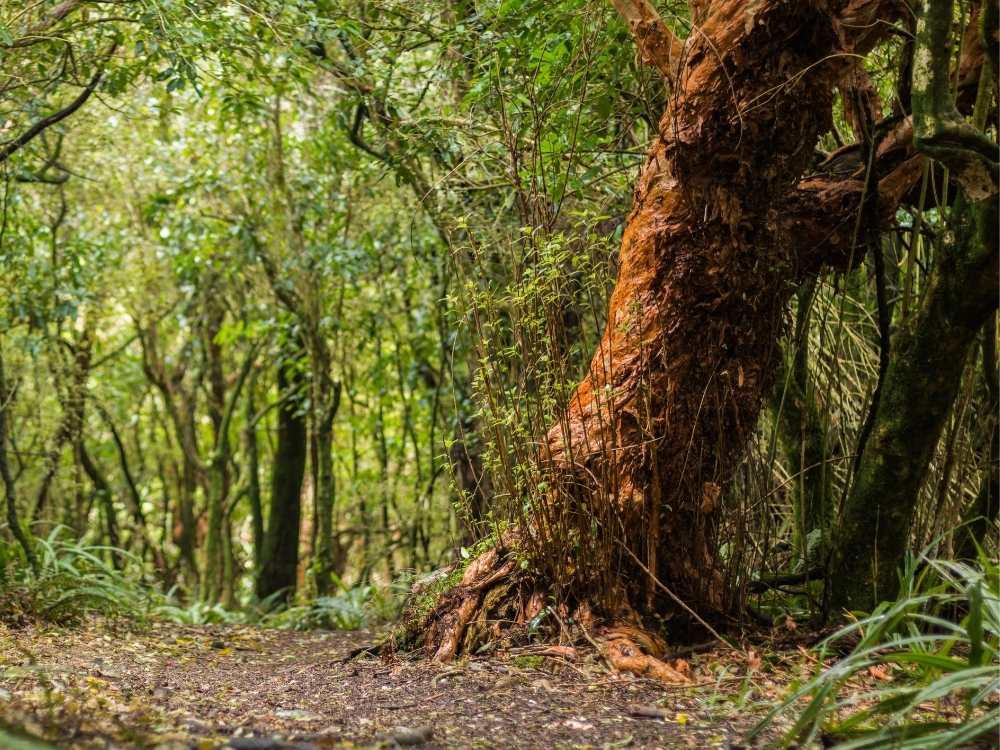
{"type": "Point", "coordinates": [347, 610]}
{"type": "Point", "coordinates": [72, 579]}
{"type": "Point", "coordinates": [195, 612]}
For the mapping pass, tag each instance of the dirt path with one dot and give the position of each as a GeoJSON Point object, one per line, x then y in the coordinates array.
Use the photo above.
{"type": "Point", "coordinates": [174, 687]}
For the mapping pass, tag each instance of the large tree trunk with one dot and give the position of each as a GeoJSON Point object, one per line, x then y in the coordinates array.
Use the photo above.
{"type": "Point", "coordinates": [720, 235]}
{"type": "Point", "coordinates": [280, 559]}
{"type": "Point", "coordinates": [709, 259]}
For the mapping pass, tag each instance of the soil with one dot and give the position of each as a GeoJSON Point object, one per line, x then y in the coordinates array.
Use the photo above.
{"type": "Point", "coordinates": [107, 685]}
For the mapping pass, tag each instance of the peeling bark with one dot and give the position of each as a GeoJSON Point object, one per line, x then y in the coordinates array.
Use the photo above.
{"type": "Point", "coordinates": [722, 231]}
{"type": "Point", "coordinates": [719, 235]}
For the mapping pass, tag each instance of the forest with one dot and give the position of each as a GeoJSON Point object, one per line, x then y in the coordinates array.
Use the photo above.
{"type": "Point", "coordinates": [499, 373]}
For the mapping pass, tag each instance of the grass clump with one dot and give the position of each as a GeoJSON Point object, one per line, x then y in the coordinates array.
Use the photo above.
{"type": "Point", "coordinates": [936, 647]}
{"type": "Point", "coordinates": [74, 579]}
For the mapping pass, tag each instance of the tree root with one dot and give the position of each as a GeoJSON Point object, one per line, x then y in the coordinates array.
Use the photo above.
{"type": "Point", "coordinates": [446, 627]}
{"type": "Point", "coordinates": [630, 649]}
{"type": "Point", "coordinates": [495, 600]}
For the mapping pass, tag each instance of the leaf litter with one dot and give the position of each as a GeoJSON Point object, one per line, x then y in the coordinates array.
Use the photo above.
{"type": "Point", "coordinates": [108, 685]}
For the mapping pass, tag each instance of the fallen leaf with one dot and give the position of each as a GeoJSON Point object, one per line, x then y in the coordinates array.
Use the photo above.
{"type": "Point", "coordinates": [880, 672]}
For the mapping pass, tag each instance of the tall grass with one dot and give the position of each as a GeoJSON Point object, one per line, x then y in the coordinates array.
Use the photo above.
{"type": "Point", "coordinates": [936, 650]}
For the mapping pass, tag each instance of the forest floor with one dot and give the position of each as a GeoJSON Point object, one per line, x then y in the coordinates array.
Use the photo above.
{"type": "Point", "coordinates": [109, 685]}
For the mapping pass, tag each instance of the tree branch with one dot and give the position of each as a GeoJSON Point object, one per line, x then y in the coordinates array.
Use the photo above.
{"type": "Point", "coordinates": [49, 120]}
{"type": "Point", "coordinates": [657, 44]}
{"type": "Point", "coordinates": [940, 131]}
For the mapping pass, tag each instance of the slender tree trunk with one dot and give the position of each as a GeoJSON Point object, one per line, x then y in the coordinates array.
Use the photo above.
{"type": "Point", "coordinates": [217, 491]}
{"type": "Point", "coordinates": [179, 407]}
{"type": "Point", "coordinates": [802, 434]}
{"type": "Point", "coordinates": [105, 496]}
{"type": "Point", "coordinates": [252, 451]}
{"type": "Point", "coordinates": [280, 558]}
{"type": "Point", "coordinates": [473, 482]}
{"type": "Point", "coordinates": [979, 528]}
{"type": "Point", "coordinates": [229, 563]}
{"type": "Point", "coordinates": [326, 400]}
{"type": "Point", "coordinates": [72, 376]}
{"type": "Point", "coordinates": [140, 527]}
{"type": "Point", "coordinates": [382, 450]}
{"type": "Point", "coordinates": [217, 486]}
{"type": "Point", "coordinates": [10, 489]}
{"type": "Point", "coordinates": [184, 528]}
{"type": "Point", "coordinates": [324, 560]}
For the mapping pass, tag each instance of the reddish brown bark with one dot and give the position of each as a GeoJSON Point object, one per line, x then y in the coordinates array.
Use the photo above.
{"type": "Point", "coordinates": [723, 229]}
{"type": "Point", "coordinates": [709, 259]}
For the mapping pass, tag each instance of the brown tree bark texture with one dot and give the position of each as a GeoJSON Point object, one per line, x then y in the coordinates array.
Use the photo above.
{"type": "Point", "coordinates": [722, 231]}
{"type": "Point", "coordinates": [720, 234]}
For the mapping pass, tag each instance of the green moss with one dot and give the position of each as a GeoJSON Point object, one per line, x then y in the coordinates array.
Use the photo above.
{"type": "Point", "coordinates": [424, 602]}
{"type": "Point", "coordinates": [528, 662]}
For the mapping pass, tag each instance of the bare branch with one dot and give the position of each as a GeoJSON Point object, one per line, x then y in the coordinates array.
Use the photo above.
{"type": "Point", "coordinates": [56, 117]}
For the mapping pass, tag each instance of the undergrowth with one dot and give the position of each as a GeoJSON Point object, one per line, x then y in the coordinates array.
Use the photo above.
{"type": "Point", "coordinates": [74, 580]}
{"type": "Point", "coordinates": [934, 651]}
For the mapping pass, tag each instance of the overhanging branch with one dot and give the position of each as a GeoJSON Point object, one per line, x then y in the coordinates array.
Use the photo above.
{"type": "Point", "coordinates": [658, 46]}
{"type": "Point", "coordinates": [56, 117]}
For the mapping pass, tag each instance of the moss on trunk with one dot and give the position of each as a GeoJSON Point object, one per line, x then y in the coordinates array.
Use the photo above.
{"type": "Point", "coordinates": [919, 390]}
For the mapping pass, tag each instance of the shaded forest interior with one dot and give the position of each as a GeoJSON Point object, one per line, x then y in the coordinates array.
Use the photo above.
{"type": "Point", "coordinates": [622, 324]}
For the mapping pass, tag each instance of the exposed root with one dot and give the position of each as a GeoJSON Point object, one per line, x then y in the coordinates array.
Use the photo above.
{"type": "Point", "coordinates": [446, 625]}
{"type": "Point", "coordinates": [494, 596]}
{"type": "Point", "coordinates": [633, 650]}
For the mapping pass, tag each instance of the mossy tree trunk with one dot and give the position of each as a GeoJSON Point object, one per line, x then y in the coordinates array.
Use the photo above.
{"type": "Point", "coordinates": [325, 393]}
{"type": "Point", "coordinates": [929, 358]}
{"type": "Point", "coordinates": [917, 395]}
